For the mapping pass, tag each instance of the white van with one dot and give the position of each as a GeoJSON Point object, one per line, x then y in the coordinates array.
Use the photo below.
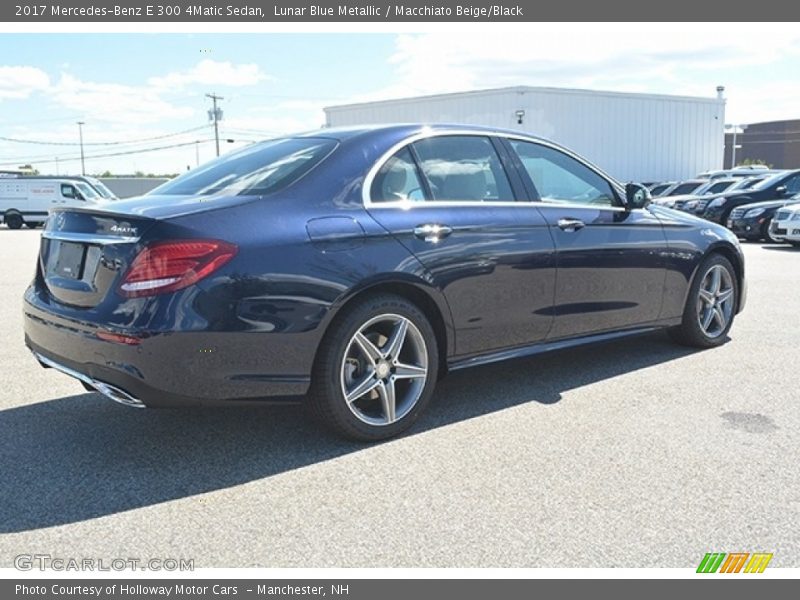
{"type": "Point", "coordinates": [27, 200]}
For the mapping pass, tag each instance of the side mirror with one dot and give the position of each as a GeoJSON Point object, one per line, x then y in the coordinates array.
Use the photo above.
{"type": "Point", "coordinates": [636, 196]}
{"type": "Point", "coordinates": [781, 189]}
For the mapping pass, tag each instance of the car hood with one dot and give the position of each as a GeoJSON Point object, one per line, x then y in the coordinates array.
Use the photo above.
{"type": "Point", "coordinates": [768, 204]}
{"type": "Point", "coordinates": [688, 197]}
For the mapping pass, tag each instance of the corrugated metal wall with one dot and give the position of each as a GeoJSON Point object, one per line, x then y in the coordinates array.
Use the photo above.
{"type": "Point", "coordinates": [634, 137]}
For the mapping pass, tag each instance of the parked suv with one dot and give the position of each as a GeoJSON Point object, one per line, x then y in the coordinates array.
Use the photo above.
{"type": "Point", "coordinates": [697, 205]}
{"type": "Point", "coordinates": [753, 221]}
{"type": "Point", "coordinates": [782, 186]}
{"type": "Point", "coordinates": [786, 224]}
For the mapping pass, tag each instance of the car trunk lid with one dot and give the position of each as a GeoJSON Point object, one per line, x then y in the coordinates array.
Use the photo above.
{"type": "Point", "coordinates": [84, 252]}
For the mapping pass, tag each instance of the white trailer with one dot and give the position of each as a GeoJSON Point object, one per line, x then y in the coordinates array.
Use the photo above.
{"type": "Point", "coordinates": [633, 137]}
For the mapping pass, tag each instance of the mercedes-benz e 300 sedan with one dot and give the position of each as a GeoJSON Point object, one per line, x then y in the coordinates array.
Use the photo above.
{"type": "Point", "coordinates": [351, 268]}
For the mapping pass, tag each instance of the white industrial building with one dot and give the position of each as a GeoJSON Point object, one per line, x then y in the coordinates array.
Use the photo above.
{"type": "Point", "coordinates": [633, 137]}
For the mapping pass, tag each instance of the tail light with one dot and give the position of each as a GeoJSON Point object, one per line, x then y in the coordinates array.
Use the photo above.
{"type": "Point", "coordinates": [173, 265]}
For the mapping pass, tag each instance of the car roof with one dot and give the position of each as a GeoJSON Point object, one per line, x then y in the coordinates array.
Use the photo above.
{"type": "Point", "coordinates": [409, 129]}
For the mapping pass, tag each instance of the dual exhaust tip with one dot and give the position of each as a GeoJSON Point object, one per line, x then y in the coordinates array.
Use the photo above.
{"type": "Point", "coordinates": [108, 390]}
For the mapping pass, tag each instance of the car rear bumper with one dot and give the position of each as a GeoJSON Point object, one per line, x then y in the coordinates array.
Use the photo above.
{"type": "Point", "coordinates": [169, 369]}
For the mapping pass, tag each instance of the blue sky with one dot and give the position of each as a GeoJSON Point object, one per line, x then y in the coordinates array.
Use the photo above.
{"type": "Point", "coordinates": [135, 86]}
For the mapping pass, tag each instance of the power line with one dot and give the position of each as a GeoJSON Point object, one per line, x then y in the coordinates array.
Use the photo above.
{"type": "Point", "coordinates": [113, 154]}
{"type": "Point", "coordinates": [115, 143]}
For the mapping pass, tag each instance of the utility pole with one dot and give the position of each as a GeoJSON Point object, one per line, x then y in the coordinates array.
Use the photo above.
{"type": "Point", "coordinates": [80, 133]}
{"type": "Point", "coordinates": [215, 114]}
{"type": "Point", "coordinates": [735, 128]}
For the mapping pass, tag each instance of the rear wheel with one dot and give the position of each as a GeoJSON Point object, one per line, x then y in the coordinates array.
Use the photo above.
{"type": "Point", "coordinates": [376, 369]}
{"type": "Point", "coordinates": [710, 305]}
{"type": "Point", "coordinates": [13, 221]}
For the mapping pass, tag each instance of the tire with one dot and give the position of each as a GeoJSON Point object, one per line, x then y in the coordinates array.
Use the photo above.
{"type": "Point", "coordinates": [795, 244]}
{"type": "Point", "coordinates": [768, 234]}
{"type": "Point", "coordinates": [706, 318]}
{"type": "Point", "coordinates": [357, 357]}
{"type": "Point", "coordinates": [13, 221]}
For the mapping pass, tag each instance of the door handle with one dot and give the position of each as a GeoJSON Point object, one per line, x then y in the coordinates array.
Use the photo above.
{"type": "Point", "coordinates": [571, 224]}
{"type": "Point", "coordinates": [432, 232]}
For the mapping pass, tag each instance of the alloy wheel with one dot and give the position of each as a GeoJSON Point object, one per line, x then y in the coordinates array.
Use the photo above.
{"type": "Point", "coordinates": [384, 369]}
{"type": "Point", "coordinates": [715, 300]}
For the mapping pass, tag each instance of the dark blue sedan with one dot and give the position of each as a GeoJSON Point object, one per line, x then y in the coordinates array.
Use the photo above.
{"type": "Point", "coordinates": [351, 268]}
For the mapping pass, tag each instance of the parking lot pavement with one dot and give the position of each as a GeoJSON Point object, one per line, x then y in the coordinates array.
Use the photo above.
{"type": "Point", "coordinates": [637, 453]}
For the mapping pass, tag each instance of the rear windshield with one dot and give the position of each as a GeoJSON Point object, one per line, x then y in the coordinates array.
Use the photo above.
{"type": "Point", "coordinates": [258, 169]}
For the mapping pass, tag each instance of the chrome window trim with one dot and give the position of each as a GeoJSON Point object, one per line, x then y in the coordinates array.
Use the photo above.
{"type": "Point", "coordinates": [422, 135]}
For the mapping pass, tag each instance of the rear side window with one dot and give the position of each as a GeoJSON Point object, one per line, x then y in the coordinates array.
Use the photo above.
{"type": "Point", "coordinates": [719, 187]}
{"type": "Point", "coordinates": [684, 188]}
{"type": "Point", "coordinates": [657, 189]}
{"type": "Point", "coordinates": [461, 168]}
{"type": "Point", "coordinates": [253, 171]}
{"type": "Point", "coordinates": [397, 179]}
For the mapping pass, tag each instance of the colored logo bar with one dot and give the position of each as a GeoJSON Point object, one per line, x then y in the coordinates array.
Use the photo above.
{"type": "Point", "coordinates": [734, 562]}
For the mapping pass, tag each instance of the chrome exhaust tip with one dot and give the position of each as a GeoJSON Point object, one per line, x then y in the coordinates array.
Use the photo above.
{"type": "Point", "coordinates": [109, 391]}
{"type": "Point", "coordinates": [116, 394]}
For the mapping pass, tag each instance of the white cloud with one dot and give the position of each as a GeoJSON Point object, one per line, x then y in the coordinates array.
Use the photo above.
{"type": "Point", "coordinates": [114, 102]}
{"type": "Point", "coordinates": [211, 72]}
{"type": "Point", "coordinates": [20, 82]}
{"type": "Point", "coordinates": [683, 59]}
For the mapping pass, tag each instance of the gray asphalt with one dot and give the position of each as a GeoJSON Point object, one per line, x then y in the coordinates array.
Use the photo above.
{"type": "Point", "coordinates": [631, 454]}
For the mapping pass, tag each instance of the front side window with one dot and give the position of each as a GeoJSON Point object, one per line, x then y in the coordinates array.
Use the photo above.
{"type": "Point", "coordinates": [67, 191]}
{"type": "Point", "coordinates": [87, 191]}
{"type": "Point", "coordinates": [253, 171]}
{"type": "Point", "coordinates": [793, 185]}
{"type": "Point", "coordinates": [462, 168]}
{"type": "Point", "coordinates": [559, 178]}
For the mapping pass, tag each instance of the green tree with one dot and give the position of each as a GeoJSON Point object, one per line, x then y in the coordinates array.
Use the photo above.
{"type": "Point", "coordinates": [752, 161]}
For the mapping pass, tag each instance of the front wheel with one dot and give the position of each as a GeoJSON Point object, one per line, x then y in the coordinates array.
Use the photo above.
{"type": "Point", "coordinates": [375, 370]}
{"type": "Point", "coordinates": [710, 305]}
